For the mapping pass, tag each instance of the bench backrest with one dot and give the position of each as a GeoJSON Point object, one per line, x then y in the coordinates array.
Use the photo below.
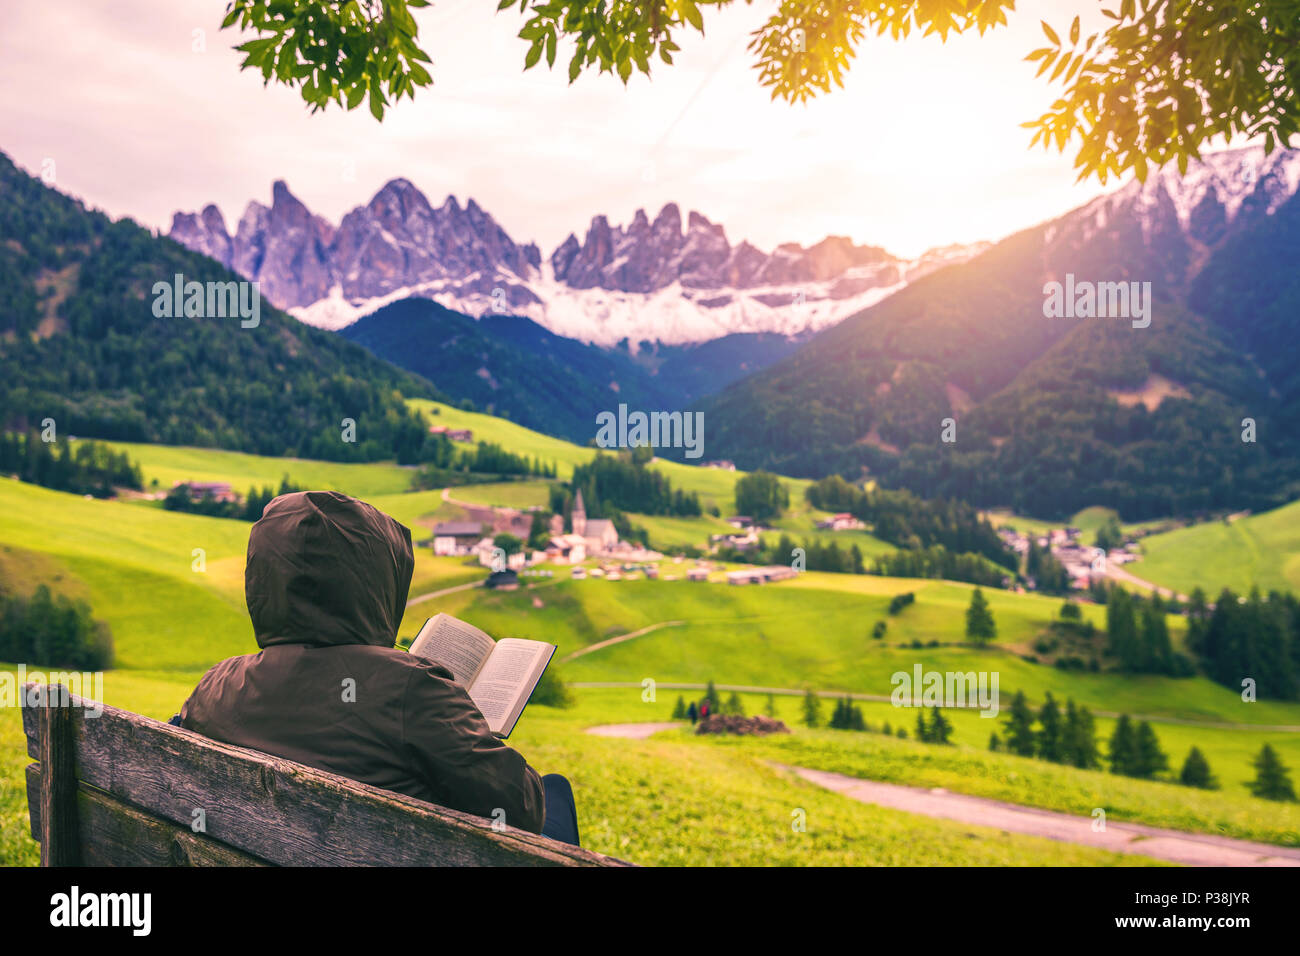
{"type": "Point", "coordinates": [119, 789]}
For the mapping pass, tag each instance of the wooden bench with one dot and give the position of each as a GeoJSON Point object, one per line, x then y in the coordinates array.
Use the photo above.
{"type": "Point", "coordinates": [119, 789]}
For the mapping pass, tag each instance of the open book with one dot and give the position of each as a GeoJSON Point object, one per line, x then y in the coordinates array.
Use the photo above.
{"type": "Point", "coordinates": [499, 675]}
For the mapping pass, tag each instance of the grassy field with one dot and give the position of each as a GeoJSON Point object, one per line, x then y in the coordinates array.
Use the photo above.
{"type": "Point", "coordinates": [674, 798]}
{"type": "Point", "coordinates": [1261, 550]}
{"type": "Point", "coordinates": [715, 487]}
{"type": "Point", "coordinates": [674, 801]}
{"type": "Point", "coordinates": [168, 465]}
{"type": "Point", "coordinates": [1088, 521]}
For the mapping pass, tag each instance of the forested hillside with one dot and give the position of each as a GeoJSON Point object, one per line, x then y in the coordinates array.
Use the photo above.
{"type": "Point", "coordinates": [80, 343]}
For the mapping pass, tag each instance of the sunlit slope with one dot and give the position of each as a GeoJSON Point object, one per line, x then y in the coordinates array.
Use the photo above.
{"type": "Point", "coordinates": [168, 606]}
{"type": "Point", "coordinates": [1261, 550]}
{"type": "Point", "coordinates": [169, 465]}
{"type": "Point", "coordinates": [810, 633]}
{"type": "Point", "coordinates": [714, 486]}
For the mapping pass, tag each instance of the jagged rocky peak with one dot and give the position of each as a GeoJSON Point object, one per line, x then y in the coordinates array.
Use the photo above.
{"type": "Point", "coordinates": [399, 244]}
{"type": "Point", "coordinates": [395, 241]}
{"type": "Point", "coordinates": [205, 233]}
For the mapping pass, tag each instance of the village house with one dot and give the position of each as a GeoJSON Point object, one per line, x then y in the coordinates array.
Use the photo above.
{"type": "Point", "coordinates": [741, 542]}
{"type": "Point", "coordinates": [217, 490]}
{"type": "Point", "coordinates": [741, 521]}
{"type": "Point", "coordinates": [722, 464]}
{"type": "Point", "coordinates": [452, 538]}
{"type": "Point", "coordinates": [567, 549]}
{"type": "Point", "coordinates": [841, 522]}
{"type": "Point", "coordinates": [774, 572]}
{"type": "Point", "coordinates": [454, 434]}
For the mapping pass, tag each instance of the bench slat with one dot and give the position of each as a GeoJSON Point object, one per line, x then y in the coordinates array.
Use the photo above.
{"type": "Point", "coordinates": [58, 791]}
{"type": "Point", "coordinates": [114, 834]}
{"type": "Point", "coordinates": [283, 812]}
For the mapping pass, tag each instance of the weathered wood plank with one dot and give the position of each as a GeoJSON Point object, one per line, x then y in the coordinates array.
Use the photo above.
{"type": "Point", "coordinates": [114, 834]}
{"type": "Point", "coordinates": [289, 814]}
{"type": "Point", "coordinates": [59, 834]}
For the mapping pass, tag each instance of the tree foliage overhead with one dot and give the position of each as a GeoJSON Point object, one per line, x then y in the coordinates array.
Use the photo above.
{"type": "Point", "coordinates": [1162, 80]}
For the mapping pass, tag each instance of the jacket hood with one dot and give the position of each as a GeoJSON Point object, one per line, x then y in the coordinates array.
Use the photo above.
{"type": "Point", "coordinates": [325, 569]}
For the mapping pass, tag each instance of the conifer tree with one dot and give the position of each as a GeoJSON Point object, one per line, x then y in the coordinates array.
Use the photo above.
{"type": "Point", "coordinates": [980, 626]}
{"type": "Point", "coordinates": [1196, 772]}
{"type": "Point", "coordinates": [1080, 738]}
{"type": "Point", "coordinates": [679, 709]}
{"type": "Point", "coordinates": [995, 744]}
{"type": "Point", "coordinates": [770, 709]}
{"type": "Point", "coordinates": [1049, 743]}
{"type": "Point", "coordinates": [1123, 747]}
{"type": "Point", "coordinates": [733, 705]}
{"type": "Point", "coordinates": [940, 727]}
{"type": "Point", "coordinates": [1272, 778]}
{"type": "Point", "coordinates": [922, 731]}
{"type": "Point", "coordinates": [1148, 758]}
{"type": "Point", "coordinates": [812, 709]}
{"type": "Point", "coordinates": [1020, 727]}
{"type": "Point", "coordinates": [856, 720]}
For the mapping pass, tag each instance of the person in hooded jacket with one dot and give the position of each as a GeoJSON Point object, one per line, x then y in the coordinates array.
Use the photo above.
{"type": "Point", "coordinates": [326, 583]}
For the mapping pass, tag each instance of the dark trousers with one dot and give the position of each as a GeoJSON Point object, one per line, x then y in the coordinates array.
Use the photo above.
{"type": "Point", "coordinates": [561, 811]}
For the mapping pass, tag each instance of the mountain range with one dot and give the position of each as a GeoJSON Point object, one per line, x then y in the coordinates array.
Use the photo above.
{"type": "Point", "coordinates": [513, 367]}
{"type": "Point", "coordinates": [659, 280]}
{"type": "Point", "coordinates": [961, 383]}
{"type": "Point", "coordinates": [1196, 411]}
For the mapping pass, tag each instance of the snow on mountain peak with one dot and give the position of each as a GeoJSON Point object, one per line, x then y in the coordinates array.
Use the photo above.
{"type": "Point", "coordinates": [651, 280]}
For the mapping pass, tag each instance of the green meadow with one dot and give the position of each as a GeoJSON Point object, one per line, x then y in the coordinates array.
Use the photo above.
{"type": "Point", "coordinates": [165, 465]}
{"type": "Point", "coordinates": [170, 585]}
{"type": "Point", "coordinates": [1259, 550]}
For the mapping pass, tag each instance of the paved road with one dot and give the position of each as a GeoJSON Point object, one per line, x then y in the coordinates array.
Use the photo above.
{"type": "Point", "coordinates": [630, 731]}
{"type": "Point", "coordinates": [1175, 846]}
{"type": "Point", "coordinates": [1117, 573]}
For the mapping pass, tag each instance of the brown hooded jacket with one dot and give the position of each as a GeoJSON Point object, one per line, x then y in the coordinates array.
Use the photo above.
{"type": "Point", "coordinates": [326, 584]}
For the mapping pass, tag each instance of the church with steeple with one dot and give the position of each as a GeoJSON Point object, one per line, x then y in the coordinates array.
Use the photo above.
{"type": "Point", "coordinates": [599, 534]}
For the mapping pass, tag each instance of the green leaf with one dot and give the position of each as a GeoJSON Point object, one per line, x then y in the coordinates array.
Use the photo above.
{"type": "Point", "coordinates": [692, 14]}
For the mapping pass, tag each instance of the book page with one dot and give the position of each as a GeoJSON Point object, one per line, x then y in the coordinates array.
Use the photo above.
{"type": "Point", "coordinates": [457, 646]}
{"type": "Point", "coordinates": [507, 679]}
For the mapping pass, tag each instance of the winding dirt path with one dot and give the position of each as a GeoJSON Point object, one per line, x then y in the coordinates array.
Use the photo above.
{"type": "Point", "coordinates": [621, 638]}
{"type": "Point", "coordinates": [1174, 846]}
{"type": "Point", "coordinates": [429, 596]}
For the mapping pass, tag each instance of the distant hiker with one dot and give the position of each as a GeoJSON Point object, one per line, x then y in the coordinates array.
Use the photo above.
{"type": "Point", "coordinates": [326, 583]}
{"type": "Point", "coordinates": [692, 713]}
{"type": "Point", "coordinates": [704, 709]}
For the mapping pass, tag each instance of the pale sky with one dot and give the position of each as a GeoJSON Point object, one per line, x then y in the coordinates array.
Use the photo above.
{"type": "Point", "coordinates": [922, 147]}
